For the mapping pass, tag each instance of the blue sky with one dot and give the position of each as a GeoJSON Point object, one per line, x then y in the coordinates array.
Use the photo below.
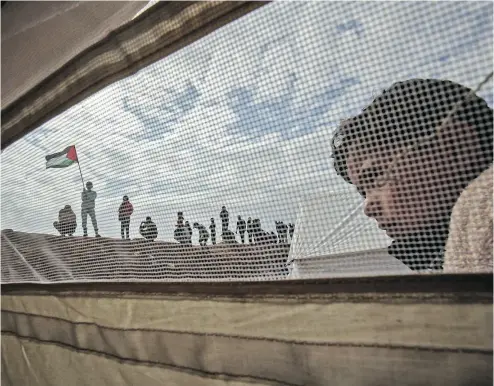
{"type": "Point", "coordinates": [243, 117]}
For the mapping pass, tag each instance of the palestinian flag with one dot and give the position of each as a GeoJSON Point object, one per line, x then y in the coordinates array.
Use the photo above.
{"type": "Point", "coordinates": [63, 159]}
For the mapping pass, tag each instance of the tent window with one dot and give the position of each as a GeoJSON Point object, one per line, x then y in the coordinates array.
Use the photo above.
{"type": "Point", "coordinates": [303, 140]}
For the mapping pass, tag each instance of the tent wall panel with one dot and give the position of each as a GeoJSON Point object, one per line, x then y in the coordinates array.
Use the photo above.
{"type": "Point", "coordinates": [103, 370]}
{"type": "Point", "coordinates": [43, 36]}
{"type": "Point", "coordinates": [346, 331]}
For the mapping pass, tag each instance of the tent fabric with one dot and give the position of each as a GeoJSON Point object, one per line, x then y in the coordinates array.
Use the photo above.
{"type": "Point", "coordinates": [334, 223]}
{"type": "Point", "coordinates": [334, 238]}
{"type": "Point", "coordinates": [324, 332]}
{"type": "Point", "coordinates": [102, 370]}
{"type": "Point", "coordinates": [111, 49]}
{"type": "Point", "coordinates": [364, 263]}
{"type": "Point", "coordinates": [43, 36]}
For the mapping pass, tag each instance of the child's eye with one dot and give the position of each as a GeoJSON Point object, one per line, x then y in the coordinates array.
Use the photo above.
{"type": "Point", "coordinates": [369, 177]}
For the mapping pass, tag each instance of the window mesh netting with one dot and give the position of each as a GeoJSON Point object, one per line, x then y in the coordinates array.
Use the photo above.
{"type": "Point", "coordinates": [302, 140]}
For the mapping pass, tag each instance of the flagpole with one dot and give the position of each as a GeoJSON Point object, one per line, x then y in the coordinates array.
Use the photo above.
{"type": "Point", "coordinates": [80, 171]}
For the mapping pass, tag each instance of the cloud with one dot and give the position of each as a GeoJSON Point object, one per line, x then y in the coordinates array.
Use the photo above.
{"type": "Point", "coordinates": [243, 117]}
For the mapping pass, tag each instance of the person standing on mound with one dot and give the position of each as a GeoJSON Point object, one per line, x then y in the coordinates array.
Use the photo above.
{"type": "Point", "coordinates": [88, 197]}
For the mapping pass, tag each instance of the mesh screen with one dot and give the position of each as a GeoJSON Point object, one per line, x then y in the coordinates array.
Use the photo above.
{"type": "Point", "coordinates": [303, 140]}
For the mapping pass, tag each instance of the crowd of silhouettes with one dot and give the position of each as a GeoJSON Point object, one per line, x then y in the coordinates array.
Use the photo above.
{"type": "Point", "coordinates": [255, 234]}
{"type": "Point", "coordinates": [67, 225]}
{"type": "Point", "coordinates": [282, 230]}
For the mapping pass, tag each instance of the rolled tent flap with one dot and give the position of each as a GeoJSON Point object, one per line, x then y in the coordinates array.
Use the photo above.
{"type": "Point", "coordinates": [62, 68]}
{"type": "Point", "coordinates": [414, 330]}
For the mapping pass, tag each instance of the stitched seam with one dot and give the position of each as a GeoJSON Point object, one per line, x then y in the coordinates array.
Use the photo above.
{"type": "Point", "coordinates": [266, 339]}
{"type": "Point", "coordinates": [204, 373]}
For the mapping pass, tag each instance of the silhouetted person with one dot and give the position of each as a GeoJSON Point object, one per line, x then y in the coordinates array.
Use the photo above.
{"type": "Point", "coordinates": [188, 233]}
{"type": "Point", "coordinates": [180, 233]}
{"type": "Point", "coordinates": [291, 228]}
{"type": "Point", "coordinates": [224, 219]}
{"type": "Point", "coordinates": [250, 230]}
{"type": "Point", "coordinates": [282, 230]}
{"type": "Point", "coordinates": [256, 225]}
{"type": "Point", "coordinates": [263, 237]}
{"type": "Point", "coordinates": [148, 229]}
{"type": "Point", "coordinates": [124, 212]}
{"type": "Point", "coordinates": [212, 229]}
{"type": "Point", "coordinates": [273, 238]}
{"type": "Point", "coordinates": [241, 228]}
{"type": "Point", "coordinates": [228, 237]}
{"type": "Point", "coordinates": [180, 218]}
{"type": "Point", "coordinates": [67, 222]}
{"type": "Point", "coordinates": [203, 233]}
{"type": "Point", "coordinates": [88, 197]}
{"type": "Point", "coordinates": [284, 233]}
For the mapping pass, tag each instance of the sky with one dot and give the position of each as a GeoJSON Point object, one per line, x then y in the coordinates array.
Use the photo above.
{"type": "Point", "coordinates": [243, 117]}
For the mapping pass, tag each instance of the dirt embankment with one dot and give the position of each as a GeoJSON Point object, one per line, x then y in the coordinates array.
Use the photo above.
{"type": "Point", "coordinates": [41, 257]}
